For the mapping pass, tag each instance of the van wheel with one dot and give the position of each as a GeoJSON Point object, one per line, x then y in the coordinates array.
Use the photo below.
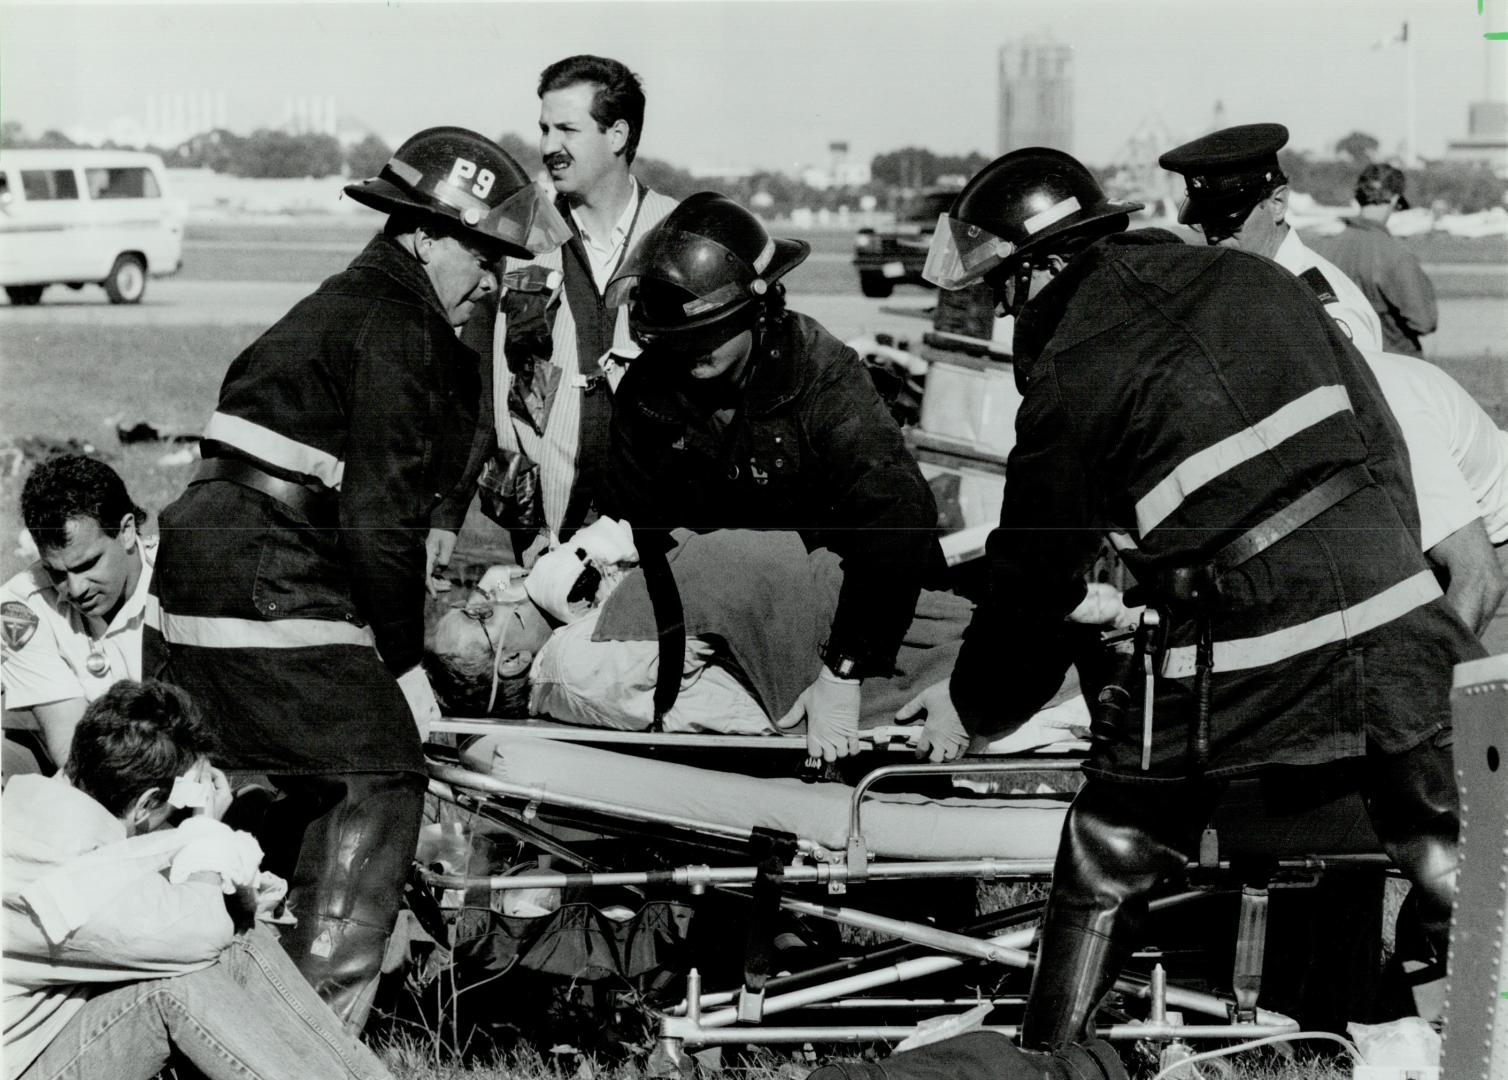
{"type": "Point", "coordinates": [875, 285]}
{"type": "Point", "coordinates": [127, 282]}
{"type": "Point", "coordinates": [24, 295]}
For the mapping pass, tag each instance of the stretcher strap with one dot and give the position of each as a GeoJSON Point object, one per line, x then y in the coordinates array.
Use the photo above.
{"type": "Point", "coordinates": [774, 850]}
{"type": "Point", "coordinates": [670, 620]}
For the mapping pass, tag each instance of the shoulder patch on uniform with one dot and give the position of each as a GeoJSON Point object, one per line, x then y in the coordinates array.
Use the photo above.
{"type": "Point", "coordinates": [1315, 278]}
{"type": "Point", "coordinates": [19, 624]}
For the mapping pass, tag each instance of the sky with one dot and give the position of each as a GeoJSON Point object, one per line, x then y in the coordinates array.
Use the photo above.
{"type": "Point", "coordinates": [770, 83]}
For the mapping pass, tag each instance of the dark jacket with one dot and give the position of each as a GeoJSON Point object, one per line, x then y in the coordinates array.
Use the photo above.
{"type": "Point", "coordinates": [811, 448]}
{"type": "Point", "coordinates": [362, 392]}
{"type": "Point", "coordinates": [1164, 407]}
{"type": "Point", "coordinates": [1390, 277]}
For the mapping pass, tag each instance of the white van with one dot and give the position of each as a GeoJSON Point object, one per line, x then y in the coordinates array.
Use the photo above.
{"type": "Point", "coordinates": [77, 217]}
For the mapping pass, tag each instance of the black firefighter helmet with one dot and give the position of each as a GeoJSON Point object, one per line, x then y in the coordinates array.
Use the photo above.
{"type": "Point", "coordinates": [1010, 210]}
{"type": "Point", "coordinates": [466, 178]}
{"type": "Point", "coordinates": [702, 264]}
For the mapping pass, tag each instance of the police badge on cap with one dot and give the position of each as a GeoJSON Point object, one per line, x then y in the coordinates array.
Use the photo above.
{"type": "Point", "coordinates": [1227, 170]}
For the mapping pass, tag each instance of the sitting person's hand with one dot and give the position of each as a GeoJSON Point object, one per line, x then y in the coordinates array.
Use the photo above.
{"type": "Point", "coordinates": [942, 737]}
{"type": "Point", "coordinates": [831, 708]}
{"type": "Point", "coordinates": [270, 891]}
{"type": "Point", "coordinates": [214, 847]}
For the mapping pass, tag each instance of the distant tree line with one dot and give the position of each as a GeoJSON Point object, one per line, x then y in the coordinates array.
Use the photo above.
{"type": "Point", "coordinates": [264, 153]}
{"type": "Point", "coordinates": [894, 175]}
{"type": "Point", "coordinates": [1446, 185]}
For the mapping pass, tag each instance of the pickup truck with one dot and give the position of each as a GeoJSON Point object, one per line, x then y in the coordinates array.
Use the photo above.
{"type": "Point", "coordinates": [886, 258]}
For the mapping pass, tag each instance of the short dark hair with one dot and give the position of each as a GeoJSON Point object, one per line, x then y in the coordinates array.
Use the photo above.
{"type": "Point", "coordinates": [74, 486]}
{"type": "Point", "coordinates": [618, 95]}
{"type": "Point", "coordinates": [136, 736]}
{"type": "Point", "coordinates": [401, 223]}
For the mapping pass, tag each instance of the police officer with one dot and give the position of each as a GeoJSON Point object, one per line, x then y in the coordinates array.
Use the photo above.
{"type": "Point", "coordinates": [740, 414]}
{"type": "Point", "coordinates": [1260, 497]}
{"type": "Point", "coordinates": [1238, 197]}
{"type": "Point", "coordinates": [291, 572]}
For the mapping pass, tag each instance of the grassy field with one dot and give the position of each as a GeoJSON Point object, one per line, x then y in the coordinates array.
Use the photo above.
{"type": "Point", "coordinates": [312, 251]}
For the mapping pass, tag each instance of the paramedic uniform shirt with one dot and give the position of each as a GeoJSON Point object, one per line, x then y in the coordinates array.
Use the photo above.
{"type": "Point", "coordinates": [1344, 300]}
{"type": "Point", "coordinates": [46, 647]}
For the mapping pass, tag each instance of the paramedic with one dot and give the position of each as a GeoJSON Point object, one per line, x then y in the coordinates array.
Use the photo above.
{"type": "Point", "coordinates": [1263, 501]}
{"type": "Point", "coordinates": [73, 619]}
{"type": "Point", "coordinates": [740, 414]}
{"type": "Point", "coordinates": [291, 571]}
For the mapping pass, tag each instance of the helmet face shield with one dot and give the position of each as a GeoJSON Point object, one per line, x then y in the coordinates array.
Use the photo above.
{"type": "Point", "coordinates": [711, 276]}
{"type": "Point", "coordinates": [962, 254]}
{"type": "Point", "coordinates": [527, 219]}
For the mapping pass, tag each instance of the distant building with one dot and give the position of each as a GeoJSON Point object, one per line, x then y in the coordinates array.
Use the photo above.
{"type": "Point", "coordinates": [1486, 141]}
{"type": "Point", "coordinates": [309, 115]}
{"type": "Point", "coordinates": [1036, 95]}
{"type": "Point", "coordinates": [721, 172]}
{"type": "Point", "coordinates": [839, 172]}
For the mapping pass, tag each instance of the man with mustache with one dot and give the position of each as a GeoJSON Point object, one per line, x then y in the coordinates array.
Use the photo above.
{"type": "Point", "coordinates": [291, 572]}
{"type": "Point", "coordinates": [551, 342]}
{"type": "Point", "coordinates": [73, 619]}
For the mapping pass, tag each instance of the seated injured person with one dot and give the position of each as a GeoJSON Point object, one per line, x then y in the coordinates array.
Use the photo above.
{"type": "Point", "coordinates": [134, 917]}
{"type": "Point", "coordinates": [576, 640]}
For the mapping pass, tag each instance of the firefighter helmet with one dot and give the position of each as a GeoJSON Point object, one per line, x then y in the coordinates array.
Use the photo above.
{"type": "Point", "coordinates": [466, 178]}
{"type": "Point", "coordinates": [706, 260]}
{"type": "Point", "coordinates": [1010, 210]}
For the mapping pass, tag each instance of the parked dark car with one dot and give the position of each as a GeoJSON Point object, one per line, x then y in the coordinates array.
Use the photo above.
{"type": "Point", "coordinates": [889, 257]}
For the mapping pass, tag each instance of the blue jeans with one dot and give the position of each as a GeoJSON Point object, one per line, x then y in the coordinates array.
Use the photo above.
{"type": "Point", "coordinates": [250, 1014]}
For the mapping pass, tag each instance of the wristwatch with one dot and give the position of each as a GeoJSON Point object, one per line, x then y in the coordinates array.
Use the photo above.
{"type": "Point", "coordinates": [844, 667]}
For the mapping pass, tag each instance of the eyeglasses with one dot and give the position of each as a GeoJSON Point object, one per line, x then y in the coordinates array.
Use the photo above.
{"type": "Point", "coordinates": [481, 611]}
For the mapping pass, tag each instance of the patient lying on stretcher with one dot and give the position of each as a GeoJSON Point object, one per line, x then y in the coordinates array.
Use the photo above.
{"type": "Point", "coordinates": [576, 640]}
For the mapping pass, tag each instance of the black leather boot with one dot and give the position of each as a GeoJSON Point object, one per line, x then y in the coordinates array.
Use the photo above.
{"type": "Point", "coordinates": [347, 887]}
{"type": "Point", "coordinates": [1119, 842]}
{"type": "Point", "coordinates": [1415, 810]}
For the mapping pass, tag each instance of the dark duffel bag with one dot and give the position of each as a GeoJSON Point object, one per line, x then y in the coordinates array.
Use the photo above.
{"type": "Point", "coordinates": [984, 1055]}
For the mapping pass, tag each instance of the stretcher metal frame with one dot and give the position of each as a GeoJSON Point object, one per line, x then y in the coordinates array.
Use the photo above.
{"type": "Point", "coordinates": [706, 1019]}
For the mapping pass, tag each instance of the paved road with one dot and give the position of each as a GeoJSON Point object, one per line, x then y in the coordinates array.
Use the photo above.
{"type": "Point", "coordinates": [171, 302]}
{"type": "Point", "coordinates": [1468, 325]}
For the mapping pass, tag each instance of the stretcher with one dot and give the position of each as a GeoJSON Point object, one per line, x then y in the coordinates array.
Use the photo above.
{"type": "Point", "coordinates": [813, 850]}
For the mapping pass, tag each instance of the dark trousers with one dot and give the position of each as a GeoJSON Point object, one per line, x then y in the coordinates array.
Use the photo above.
{"type": "Point", "coordinates": [1122, 840]}
{"type": "Point", "coordinates": [345, 843]}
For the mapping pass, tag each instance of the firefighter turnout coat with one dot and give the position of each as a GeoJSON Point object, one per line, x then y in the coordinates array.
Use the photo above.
{"type": "Point", "coordinates": [1176, 397]}
{"type": "Point", "coordinates": [288, 624]}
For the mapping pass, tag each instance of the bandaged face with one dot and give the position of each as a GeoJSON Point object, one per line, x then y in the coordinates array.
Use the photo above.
{"type": "Point", "coordinates": [572, 580]}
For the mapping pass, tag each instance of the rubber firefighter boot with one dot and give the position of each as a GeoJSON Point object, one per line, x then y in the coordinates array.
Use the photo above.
{"type": "Point", "coordinates": [342, 960]}
{"type": "Point", "coordinates": [1415, 811]}
{"type": "Point", "coordinates": [1412, 801]}
{"type": "Point", "coordinates": [348, 885]}
{"type": "Point", "coordinates": [1117, 846]}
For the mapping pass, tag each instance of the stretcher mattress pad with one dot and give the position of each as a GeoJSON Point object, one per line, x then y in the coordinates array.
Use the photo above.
{"type": "Point", "coordinates": [895, 826]}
